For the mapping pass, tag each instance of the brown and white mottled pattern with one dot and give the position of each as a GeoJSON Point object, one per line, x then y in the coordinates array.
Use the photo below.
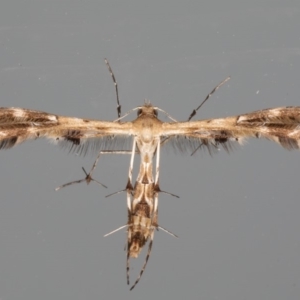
{"type": "Point", "coordinates": [18, 125]}
{"type": "Point", "coordinates": [149, 133]}
{"type": "Point", "coordinates": [281, 125]}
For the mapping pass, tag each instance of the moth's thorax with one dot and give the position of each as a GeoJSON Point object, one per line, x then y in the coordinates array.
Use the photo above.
{"type": "Point", "coordinates": [148, 127]}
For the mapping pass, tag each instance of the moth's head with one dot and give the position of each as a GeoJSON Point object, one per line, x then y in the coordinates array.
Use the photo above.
{"type": "Point", "coordinates": [147, 110]}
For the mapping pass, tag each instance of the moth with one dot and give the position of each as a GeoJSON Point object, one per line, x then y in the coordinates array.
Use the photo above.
{"type": "Point", "coordinates": [148, 134]}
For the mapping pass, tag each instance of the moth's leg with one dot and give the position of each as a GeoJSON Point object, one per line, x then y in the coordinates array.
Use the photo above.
{"type": "Point", "coordinates": [116, 86]}
{"type": "Point", "coordinates": [193, 113]}
{"type": "Point", "coordinates": [156, 182]}
{"type": "Point", "coordinates": [129, 187]}
{"type": "Point", "coordinates": [145, 263]}
{"type": "Point", "coordinates": [89, 177]}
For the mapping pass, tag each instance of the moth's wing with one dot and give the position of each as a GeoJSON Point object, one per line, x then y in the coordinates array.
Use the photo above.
{"type": "Point", "coordinates": [18, 125]}
{"type": "Point", "coordinates": [281, 125]}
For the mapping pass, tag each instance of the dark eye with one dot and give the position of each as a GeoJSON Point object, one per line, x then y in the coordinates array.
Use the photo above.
{"type": "Point", "coordinates": [155, 112]}
{"type": "Point", "coordinates": [139, 112]}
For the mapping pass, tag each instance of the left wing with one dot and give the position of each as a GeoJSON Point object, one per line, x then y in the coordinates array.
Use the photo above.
{"type": "Point", "coordinates": [18, 125]}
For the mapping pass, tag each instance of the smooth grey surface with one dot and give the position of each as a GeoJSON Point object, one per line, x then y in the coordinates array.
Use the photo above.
{"type": "Point", "coordinates": [238, 215]}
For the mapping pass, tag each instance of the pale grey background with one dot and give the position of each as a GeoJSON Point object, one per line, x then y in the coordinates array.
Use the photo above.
{"type": "Point", "coordinates": [238, 215]}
